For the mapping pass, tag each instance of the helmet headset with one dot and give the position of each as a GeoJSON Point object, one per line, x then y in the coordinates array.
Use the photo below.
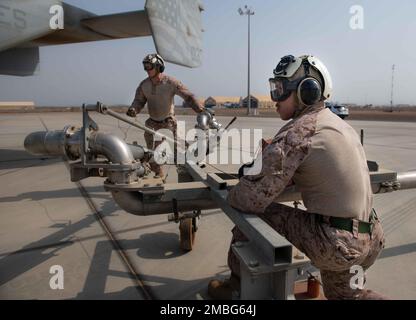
{"type": "Point", "coordinates": [156, 61]}
{"type": "Point", "coordinates": [306, 75]}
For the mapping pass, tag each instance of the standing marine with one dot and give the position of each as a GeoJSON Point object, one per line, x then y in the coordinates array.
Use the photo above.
{"type": "Point", "coordinates": [158, 91]}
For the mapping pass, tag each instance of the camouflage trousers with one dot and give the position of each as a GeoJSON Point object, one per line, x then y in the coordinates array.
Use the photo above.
{"type": "Point", "coordinates": [333, 251]}
{"type": "Point", "coordinates": [169, 124]}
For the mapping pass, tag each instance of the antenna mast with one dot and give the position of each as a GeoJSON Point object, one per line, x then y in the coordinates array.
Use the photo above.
{"type": "Point", "coordinates": [392, 87]}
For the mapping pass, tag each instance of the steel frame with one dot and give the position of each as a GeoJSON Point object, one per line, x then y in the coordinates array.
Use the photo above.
{"type": "Point", "coordinates": [268, 263]}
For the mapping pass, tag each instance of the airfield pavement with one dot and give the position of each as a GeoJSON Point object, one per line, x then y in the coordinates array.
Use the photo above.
{"type": "Point", "coordinates": [45, 221]}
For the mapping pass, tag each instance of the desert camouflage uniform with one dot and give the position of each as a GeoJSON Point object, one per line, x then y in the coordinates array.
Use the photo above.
{"type": "Point", "coordinates": [291, 155]}
{"type": "Point", "coordinates": [159, 98]}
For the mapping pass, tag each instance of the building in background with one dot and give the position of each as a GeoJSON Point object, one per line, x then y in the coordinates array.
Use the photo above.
{"type": "Point", "coordinates": [257, 100]}
{"type": "Point", "coordinates": [16, 106]}
{"type": "Point", "coordinates": [254, 102]}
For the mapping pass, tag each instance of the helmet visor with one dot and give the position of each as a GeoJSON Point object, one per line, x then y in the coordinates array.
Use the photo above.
{"type": "Point", "coordinates": [281, 88]}
{"type": "Point", "coordinates": [277, 90]}
{"type": "Point", "coordinates": [148, 66]}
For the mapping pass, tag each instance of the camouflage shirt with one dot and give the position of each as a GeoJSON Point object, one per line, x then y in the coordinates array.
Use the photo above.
{"type": "Point", "coordinates": [159, 97]}
{"type": "Point", "coordinates": [323, 156]}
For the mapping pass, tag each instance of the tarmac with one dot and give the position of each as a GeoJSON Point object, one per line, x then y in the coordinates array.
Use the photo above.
{"type": "Point", "coordinates": [47, 220]}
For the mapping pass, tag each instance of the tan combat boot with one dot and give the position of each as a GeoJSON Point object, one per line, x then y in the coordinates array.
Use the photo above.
{"type": "Point", "coordinates": [223, 290]}
{"type": "Point", "coordinates": [159, 173]}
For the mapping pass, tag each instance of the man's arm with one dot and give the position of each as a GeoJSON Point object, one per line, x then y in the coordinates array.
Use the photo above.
{"type": "Point", "coordinates": [138, 103]}
{"type": "Point", "coordinates": [280, 160]}
{"type": "Point", "coordinates": [188, 97]}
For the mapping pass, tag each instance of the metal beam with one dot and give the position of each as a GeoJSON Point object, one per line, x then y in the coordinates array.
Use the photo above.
{"type": "Point", "coordinates": [215, 180]}
{"type": "Point", "coordinates": [274, 248]}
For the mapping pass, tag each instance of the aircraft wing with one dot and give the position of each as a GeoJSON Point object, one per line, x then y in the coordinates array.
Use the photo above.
{"type": "Point", "coordinates": [122, 25]}
{"type": "Point", "coordinates": [177, 30]}
{"type": "Point", "coordinates": [175, 26]}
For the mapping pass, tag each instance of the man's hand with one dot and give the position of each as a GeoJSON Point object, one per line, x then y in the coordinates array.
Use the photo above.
{"type": "Point", "coordinates": [132, 112]}
{"type": "Point", "coordinates": [246, 166]}
{"type": "Point", "coordinates": [243, 168]}
{"type": "Point", "coordinates": [265, 143]}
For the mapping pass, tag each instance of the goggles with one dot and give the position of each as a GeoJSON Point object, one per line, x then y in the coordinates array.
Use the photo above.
{"type": "Point", "coordinates": [148, 66]}
{"type": "Point", "coordinates": [281, 88]}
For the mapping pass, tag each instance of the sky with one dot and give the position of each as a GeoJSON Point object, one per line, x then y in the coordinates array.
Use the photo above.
{"type": "Point", "coordinates": [359, 61]}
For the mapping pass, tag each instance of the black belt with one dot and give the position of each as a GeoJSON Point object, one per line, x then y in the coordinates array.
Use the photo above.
{"type": "Point", "coordinates": [162, 121]}
{"type": "Point", "coordinates": [348, 224]}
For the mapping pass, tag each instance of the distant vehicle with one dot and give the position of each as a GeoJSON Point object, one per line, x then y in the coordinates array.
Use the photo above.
{"type": "Point", "coordinates": [338, 109]}
{"type": "Point", "coordinates": [231, 105]}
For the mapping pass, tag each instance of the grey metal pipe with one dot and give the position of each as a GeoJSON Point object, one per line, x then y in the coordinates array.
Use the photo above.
{"type": "Point", "coordinates": [45, 143]}
{"type": "Point", "coordinates": [138, 151]}
{"type": "Point", "coordinates": [64, 142]}
{"type": "Point", "coordinates": [110, 146]}
{"type": "Point", "coordinates": [105, 110]}
{"type": "Point", "coordinates": [133, 203]}
{"type": "Point", "coordinates": [67, 142]}
{"type": "Point", "coordinates": [407, 180]}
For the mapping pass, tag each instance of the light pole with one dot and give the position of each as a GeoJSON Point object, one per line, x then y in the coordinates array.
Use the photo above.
{"type": "Point", "coordinates": [392, 87]}
{"type": "Point", "coordinates": [249, 12]}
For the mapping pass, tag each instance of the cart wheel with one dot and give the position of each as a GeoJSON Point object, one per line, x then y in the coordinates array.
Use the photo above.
{"type": "Point", "coordinates": [187, 234]}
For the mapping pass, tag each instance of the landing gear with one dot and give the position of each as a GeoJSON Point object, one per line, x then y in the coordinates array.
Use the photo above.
{"type": "Point", "coordinates": [188, 225]}
{"type": "Point", "coordinates": [187, 232]}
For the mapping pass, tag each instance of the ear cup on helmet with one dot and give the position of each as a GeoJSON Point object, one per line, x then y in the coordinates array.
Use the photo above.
{"type": "Point", "coordinates": [156, 60]}
{"type": "Point", "coordinates": [161, 63]}
{"type": "Point", "coordinates": [309, 91]}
